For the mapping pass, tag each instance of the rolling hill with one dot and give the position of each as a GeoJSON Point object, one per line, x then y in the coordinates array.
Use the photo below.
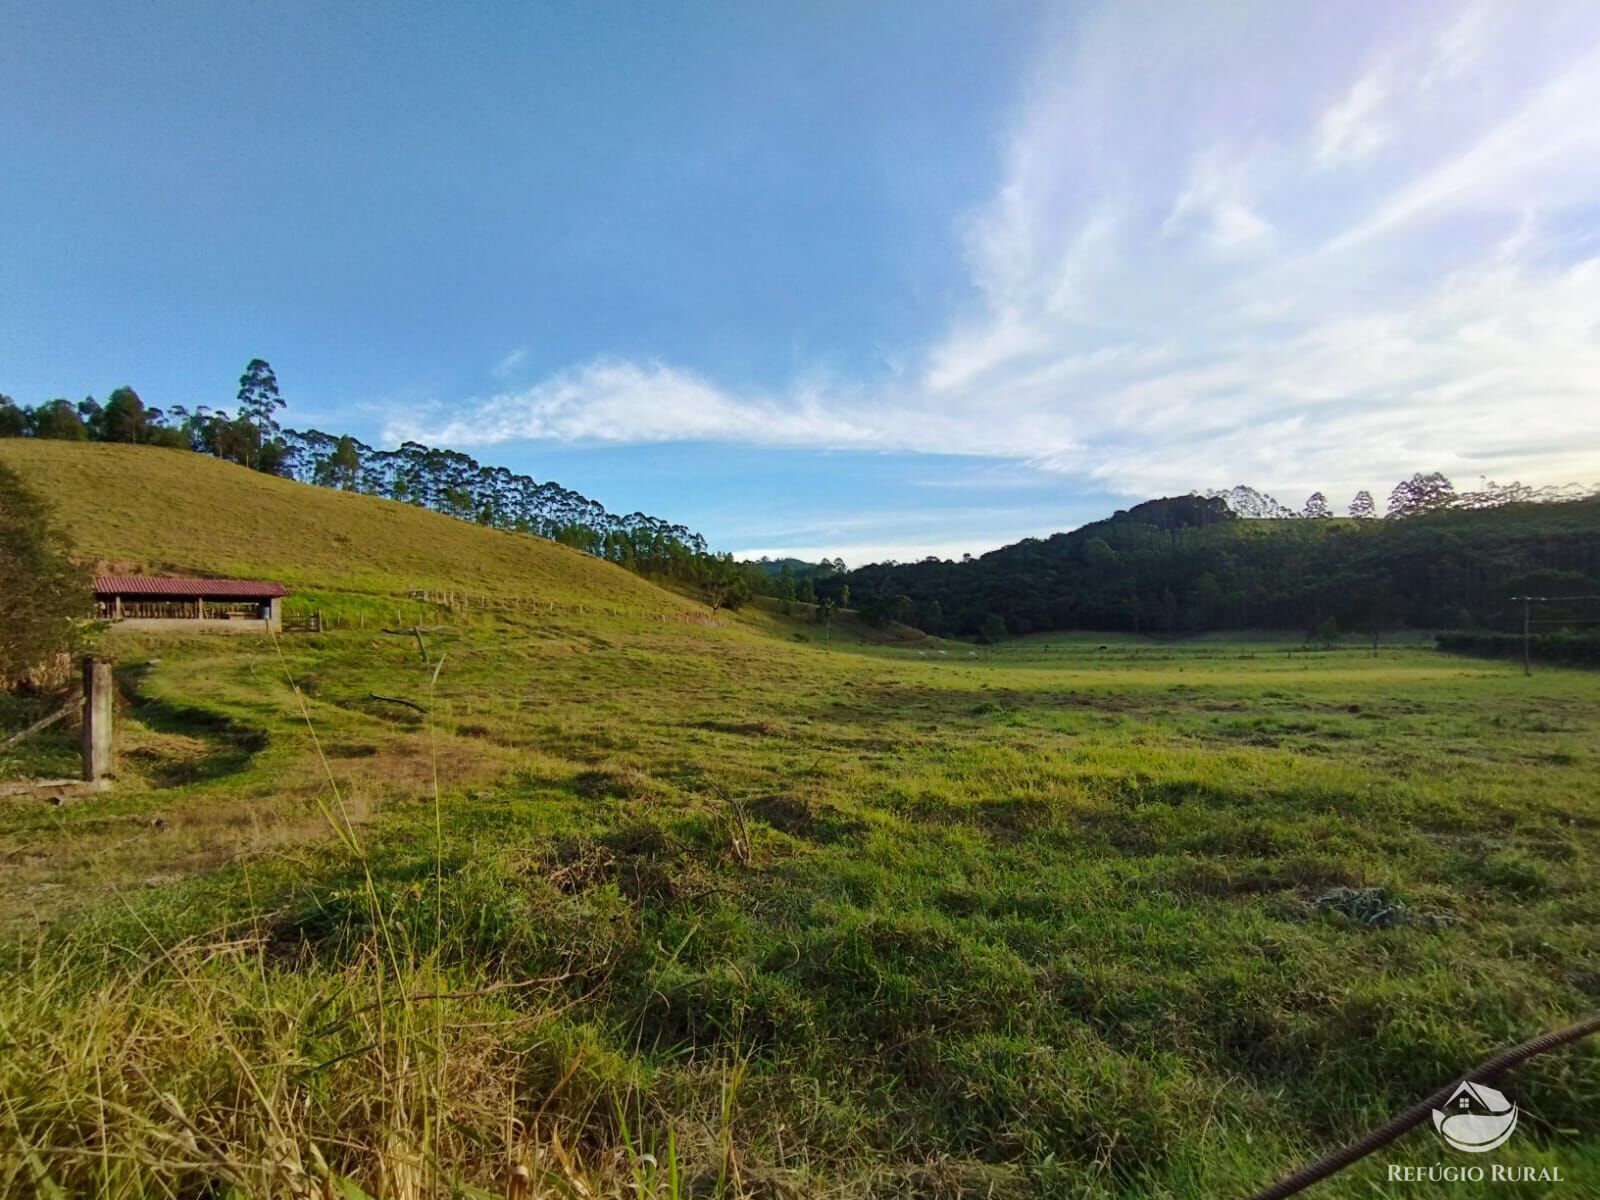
{"type": "Point", "coordinates": [169, 511]}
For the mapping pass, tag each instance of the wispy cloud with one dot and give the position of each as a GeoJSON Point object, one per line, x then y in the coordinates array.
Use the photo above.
{"type": "Point", "coordinates": [1354, 129]}
{"type": "Point", "coordinates": [1225, 248]}
{"type": "Point", "coordinates": [511, 363]}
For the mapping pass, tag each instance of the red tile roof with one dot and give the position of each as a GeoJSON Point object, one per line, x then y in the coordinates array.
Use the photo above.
{"type": "Point", "coordinates": [205, 589]}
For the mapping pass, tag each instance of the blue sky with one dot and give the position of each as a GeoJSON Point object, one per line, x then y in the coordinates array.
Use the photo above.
{"type": "Point", "coordinates": [868, 280]}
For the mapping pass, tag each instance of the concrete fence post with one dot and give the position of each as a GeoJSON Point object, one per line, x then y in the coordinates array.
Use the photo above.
{"type": "Point", "coordinates": [96, 718]}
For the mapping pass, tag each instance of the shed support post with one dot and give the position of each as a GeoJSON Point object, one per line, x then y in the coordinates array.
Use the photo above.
{"type": "Point", "coordinates": [96, 718]}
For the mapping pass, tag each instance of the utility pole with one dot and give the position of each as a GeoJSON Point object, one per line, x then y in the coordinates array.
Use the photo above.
{"type": "Point", "coordinates": [1562, 621]}
{"type": "Point", "coordinates": [1527, 635]}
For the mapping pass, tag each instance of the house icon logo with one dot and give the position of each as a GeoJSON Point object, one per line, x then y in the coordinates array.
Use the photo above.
{"type": "Point", "coordinates": [1476, 1118]}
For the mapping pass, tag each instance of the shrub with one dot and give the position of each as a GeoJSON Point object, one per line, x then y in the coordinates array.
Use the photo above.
{"type": "Point", "coordinates": [1563, 646]}
{"type": "Point", "coordinates": [42, 592]}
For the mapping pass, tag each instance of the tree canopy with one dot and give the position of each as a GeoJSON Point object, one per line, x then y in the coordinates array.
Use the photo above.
{"type": "Point", "coordinates": [42, 593]}
{"type": "Point", "coordinates": [1190, 564]}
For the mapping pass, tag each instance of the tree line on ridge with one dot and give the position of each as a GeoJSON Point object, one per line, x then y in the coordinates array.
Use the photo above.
{"type": "Point", "coordinates": [445, 481]}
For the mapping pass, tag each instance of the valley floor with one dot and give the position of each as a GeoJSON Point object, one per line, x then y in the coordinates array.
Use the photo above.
{"type": "Point", "coordinates": [652, 908]}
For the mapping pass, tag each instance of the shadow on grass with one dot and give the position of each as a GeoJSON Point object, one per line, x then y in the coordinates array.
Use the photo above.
{"type": "Point", "coordinates": [225, 746]}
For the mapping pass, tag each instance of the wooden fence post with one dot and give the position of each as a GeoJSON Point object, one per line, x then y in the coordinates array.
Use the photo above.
{"type": "Point", "coordinates": [96, 718]}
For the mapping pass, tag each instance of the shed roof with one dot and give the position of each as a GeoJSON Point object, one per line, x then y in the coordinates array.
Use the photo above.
{"type": "Point", "coordinates": [205, 589]}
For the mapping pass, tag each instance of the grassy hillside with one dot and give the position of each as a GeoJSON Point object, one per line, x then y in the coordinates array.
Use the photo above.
{"type": "Point", "coordinates": [165, 510]}
{"type": "Point", "coordinates": [659, 909]}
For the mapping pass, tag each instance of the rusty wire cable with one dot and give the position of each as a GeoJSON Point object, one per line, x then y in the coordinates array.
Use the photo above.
{"type": "Point", "coordinates": [1417, 1113]}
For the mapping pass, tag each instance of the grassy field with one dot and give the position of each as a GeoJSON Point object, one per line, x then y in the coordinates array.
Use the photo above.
{"type": "Point", "coordinates": [651, 907]}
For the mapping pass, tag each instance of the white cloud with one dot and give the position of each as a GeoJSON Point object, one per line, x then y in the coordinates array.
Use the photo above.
{"type": "Point", "coordinates": [508, 366]}
{"type": "Point", "coordinates": [1216, 204]}
{"type": "Point", "coordinates": [1460, 44]}
{"type": "Point", "coordinates": [622, 402]}
{"type": "Point", "coordinates": [613, 400]}
{"type": "Point", "coordinates": [1354, 129]}
{"type": "Point", "coordinates": [1180, 282]}
{"type": "Point", "coordinates": [1545, 155]}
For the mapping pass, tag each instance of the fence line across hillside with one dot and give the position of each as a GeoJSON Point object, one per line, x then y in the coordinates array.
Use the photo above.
{"type": "Point", "coordinates": [461, 603]}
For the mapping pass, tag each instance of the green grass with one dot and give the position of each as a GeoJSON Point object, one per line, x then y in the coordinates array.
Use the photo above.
{"type": "Point", "coordinates": [173, 512]}
{"type": "Point", "coordinates": [714, 911]}
{"type": "Point", "coordinates": [52, 753]}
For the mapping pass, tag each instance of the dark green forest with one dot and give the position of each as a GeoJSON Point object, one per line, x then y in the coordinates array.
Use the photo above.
{"type": "Point", "coordinates": [1189, 564]}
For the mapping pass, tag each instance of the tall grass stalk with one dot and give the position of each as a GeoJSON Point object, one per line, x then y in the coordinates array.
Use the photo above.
{"type": "Point", "coordinates": [135, 1063]}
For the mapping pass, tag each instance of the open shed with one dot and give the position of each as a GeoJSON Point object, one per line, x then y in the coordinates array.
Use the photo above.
{"type": "Point", "coordinates": [157, 602]}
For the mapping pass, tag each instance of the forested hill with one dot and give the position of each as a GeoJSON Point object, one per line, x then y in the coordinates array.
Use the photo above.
{"type": "Point", "coordinates": [1189, 564]}
{"type": "Point", "coordinates": [445, 481]}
